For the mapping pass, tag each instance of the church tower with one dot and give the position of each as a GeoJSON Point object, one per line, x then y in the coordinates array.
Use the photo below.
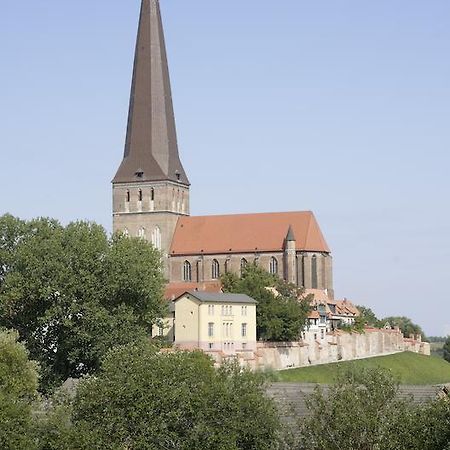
{"type": "Point", "coordinates": [150, 188]}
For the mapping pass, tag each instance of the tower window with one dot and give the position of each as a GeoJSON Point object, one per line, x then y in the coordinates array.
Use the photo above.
{"type": "Point", "coordinates": [127, 196]}
{"type": "Point", "coordinates": [273, 266]}
{"type": "Point", "coordinates": [152, 195]}
{"type": "Point", "coordinates": [314, 272]}
{"type": "Point", "coordinates": [215, 269]}
{"type": "Point", "coordinates": [156, 238]}
{"type": "Point", "coordinates": [187, 271]}
{"type": "Point", "coordinates": [140, 195]}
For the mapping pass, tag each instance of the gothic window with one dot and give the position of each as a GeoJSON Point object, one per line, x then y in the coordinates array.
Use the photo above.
{"type": "Point", "coordinates": [273, 266]}
{"type": "Point", "coordinates": [141, 232]}
{"type": "Point", "coordinates": [187, 271]}
{"type": "Point", "coordinates": [215, 269]}
{"type": "Point", "coordinates": [152, 195]}
{"type": "Point", "coordinates": [140, 195]}
{"type": "Point", "coordinates": [227, 265]}
{"type": "Point", "coordinates": [127, 197]}
{"type": "Point", "coordinates": [243, 265]}
{"type": "Point", "coordinates": [156, 238]}
{"type": "Point", "coordinates": [314, 272]}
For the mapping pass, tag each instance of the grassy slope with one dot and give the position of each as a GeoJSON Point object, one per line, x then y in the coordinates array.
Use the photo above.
{"type": "Point", "coordinates": [408, 367]}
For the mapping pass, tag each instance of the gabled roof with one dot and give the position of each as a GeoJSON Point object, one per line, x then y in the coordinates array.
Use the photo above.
{"type": "Point", "coordinates": [174, 290]}
{"type": "Point", "coordinates": [212, 297]}
{"type": "Point", "coordinates": [151, 148]}
{"type": "Point", "coordinates": [246, 233]}
{"type": "Point", "coordinates": [346, 308]}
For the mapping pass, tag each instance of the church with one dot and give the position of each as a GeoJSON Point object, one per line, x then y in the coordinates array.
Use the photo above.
{"type": "Point", "coordinates": [151, 195]}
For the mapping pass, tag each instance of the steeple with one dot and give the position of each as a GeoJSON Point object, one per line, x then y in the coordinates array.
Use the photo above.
{"type": "Point", "coordinates": [151, 150]}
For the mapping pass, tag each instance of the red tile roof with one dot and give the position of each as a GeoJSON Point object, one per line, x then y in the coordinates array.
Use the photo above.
{"type": "Point", "coordinates": [345, 308]}
{"type": "Point", "coordinates": [174, 290]}
{"type": "Point", "coordinates": [246, 233]}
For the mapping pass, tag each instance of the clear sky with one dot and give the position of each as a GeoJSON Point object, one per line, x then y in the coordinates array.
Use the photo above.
{"type": "Point", "coordinates": [340, 107]}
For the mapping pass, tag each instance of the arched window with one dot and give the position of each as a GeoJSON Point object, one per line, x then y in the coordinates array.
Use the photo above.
{"type": "Point", "coordinates": [215, 269]}
{"type": "Point", "coordinates": [156, 238]}
{"type": "Point", "coordinates": [187, 271]}
{"type": "Point", "coordinates": [227, 265]}
{"type": "Point", "coordinates": [243, 265]}
{"type": "Point", "coordinates": [141, 232]}
{"type": "Point", "coordinates": [152, 195]}
{"type": "Point", "coordinates": [273, 266]}
{"type": "Point", "coordinates": [127, 196]}
{"type": "Point", "coordinates": [140, 195]}
{"type": "Point", "coordinates": [314, 272]}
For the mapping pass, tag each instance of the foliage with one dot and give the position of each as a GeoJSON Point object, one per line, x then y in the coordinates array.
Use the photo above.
{"type": "Point", "coordinates": [436, 339]}
{"type": "Point", "coordinates": [368, 316]}
{"type": "Point", "coordinates": [446, 350]}
{"type": "Point", "coordinates": [407, 367]}
{"type": "Point", "coordinates": [406, 325]}
{"type": "Point", "coordinates": [281, 316]}
{"type": "Point", "coordinates": [147, 400]}
{"type": "Point", "coordinates": [72, 293]}
{"type": "Point", "coordinates": [378, 418]}
{"type": "Point", "coordinates": [18, 392]}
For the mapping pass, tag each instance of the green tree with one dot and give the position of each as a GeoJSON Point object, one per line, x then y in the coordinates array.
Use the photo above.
{"type": "Point", "coordinates": [367, 316]}
{"type": "Point", "coordinates": [72, 293]}
{"type": "Point", "coordinates": [281, 311]}
{"type": "Point", "coordinates": [18, 392]}
{"type": "Point", "coordinates": [363, 411]}
{"type": "Point", "coordinates": [406, 325]}
{"type": "Point", "coordinates": [145, 400]}
{"type": "Point", "coordinates": [447, 349]}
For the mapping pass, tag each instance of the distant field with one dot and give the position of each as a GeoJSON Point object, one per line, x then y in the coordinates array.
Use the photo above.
{"type": "Point", "coordinates": [408, 368]}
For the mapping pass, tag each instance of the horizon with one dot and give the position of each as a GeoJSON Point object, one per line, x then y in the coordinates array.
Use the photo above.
{"type": "Point", "coordinates": [342, 110]}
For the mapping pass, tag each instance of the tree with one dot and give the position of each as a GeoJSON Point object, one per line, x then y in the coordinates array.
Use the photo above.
{"type": "Point", "coordinates": [146, 400]}
{"type": "Point", "coordinates": [18, 392]}
{"type": "Point", "coordinates": [72, 293]}
{"type": "Point", "coordinates": [406, 325]}
{"type": "Point", "coordinates": [447, 349]}
{"type": "Point", "coordinates": [367, 316]}
{"type": "Point", "coordinates": [363, 411]}
{"type": "Point", "coordinates": [281, 311]}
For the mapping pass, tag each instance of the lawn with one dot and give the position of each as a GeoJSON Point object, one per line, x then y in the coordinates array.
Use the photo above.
{"type": "Point", "coordinates": [407, 367]}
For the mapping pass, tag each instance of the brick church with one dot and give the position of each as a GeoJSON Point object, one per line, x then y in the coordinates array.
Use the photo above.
{"type": "Point", "coordinates": [151, 195]}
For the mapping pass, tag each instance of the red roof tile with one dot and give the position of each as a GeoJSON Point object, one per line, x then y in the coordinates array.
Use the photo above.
{"type": "Point", "coordinates": [242, 233]}
{"type": "Point", "coordinates": [174, 290]}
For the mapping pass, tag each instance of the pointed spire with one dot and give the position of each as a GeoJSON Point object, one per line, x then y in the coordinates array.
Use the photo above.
{"type": "Point", "coordinates": [290, 237]}
{"type": "Point", "coordinates": [151, 149]}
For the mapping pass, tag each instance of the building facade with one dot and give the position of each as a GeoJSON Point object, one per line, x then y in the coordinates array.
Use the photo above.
{"type": "Point", "coordinates": [215, 322]}
{"type": "Point", "coordinates": [151, 194]}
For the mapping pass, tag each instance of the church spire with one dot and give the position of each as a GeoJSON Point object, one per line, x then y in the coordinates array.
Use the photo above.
{"type": "Point", "coordinates": [151, 150]}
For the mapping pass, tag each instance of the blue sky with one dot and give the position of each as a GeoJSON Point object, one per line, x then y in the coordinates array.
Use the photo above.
{"type": "Point", "coordinates": [340, 107]}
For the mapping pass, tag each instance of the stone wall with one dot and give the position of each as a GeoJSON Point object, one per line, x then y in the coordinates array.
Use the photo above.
{"type": "Point", "coordinates": [337, 346]}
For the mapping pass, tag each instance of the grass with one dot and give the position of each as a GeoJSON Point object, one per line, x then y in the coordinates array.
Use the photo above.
{"type": "Point", "coordinates": [407, 367]}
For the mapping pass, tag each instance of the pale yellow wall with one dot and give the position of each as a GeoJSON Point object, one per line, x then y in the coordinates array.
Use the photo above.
{"type": "Point", "coordinates": [234, 320]}
{"type": "Point", "coordinates": [187, 321]}
{"type": "Point", "coordinates": [192, 320]}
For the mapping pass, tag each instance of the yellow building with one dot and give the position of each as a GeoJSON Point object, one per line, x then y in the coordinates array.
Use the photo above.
{"type": "Point", "coordinates": [215, 322]}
